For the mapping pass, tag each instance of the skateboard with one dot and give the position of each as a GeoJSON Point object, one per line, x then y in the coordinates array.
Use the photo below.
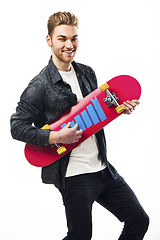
{"type": "Point", "coordinates": [92, 113]}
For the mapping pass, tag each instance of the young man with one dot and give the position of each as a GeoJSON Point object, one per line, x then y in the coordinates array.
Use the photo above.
{"type": "Point", "coordinates": [84, 175]}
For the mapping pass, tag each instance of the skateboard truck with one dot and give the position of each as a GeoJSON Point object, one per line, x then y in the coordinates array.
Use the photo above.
{"type": "Point", "coordinates": [60, 149]}
{"type": "Point", "coordinates": [111, 98]}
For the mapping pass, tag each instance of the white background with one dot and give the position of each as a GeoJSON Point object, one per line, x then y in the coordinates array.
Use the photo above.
{"type": "Point", "coordinates": [116, 37]}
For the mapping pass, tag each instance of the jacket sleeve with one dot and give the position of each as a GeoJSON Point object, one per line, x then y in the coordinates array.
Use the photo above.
{"type": "Point", "coordinates": [28, 111]}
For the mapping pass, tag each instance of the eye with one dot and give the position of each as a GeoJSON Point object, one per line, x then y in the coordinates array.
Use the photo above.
{"type": "Point", "coordinates": [62, 39]}
{"type": "Point", "coordinates": [75, 39]}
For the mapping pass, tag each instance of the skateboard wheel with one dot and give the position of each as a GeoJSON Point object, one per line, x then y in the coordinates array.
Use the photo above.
{"type": "Point", "coordinates": [61, 150]}
{"type": "Point", "coordinates": [45, 127]}
{"type": "Point", "coordinates": [120, 108]}
{"type": "Point", "coordinates": [104, 86]}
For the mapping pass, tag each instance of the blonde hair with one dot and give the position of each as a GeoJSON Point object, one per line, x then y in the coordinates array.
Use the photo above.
{"type": "Point", "coordinates": [61, 18]}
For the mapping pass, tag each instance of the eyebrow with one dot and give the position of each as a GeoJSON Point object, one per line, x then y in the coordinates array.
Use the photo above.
{"type": "Point", "coordinates": [66, 37]}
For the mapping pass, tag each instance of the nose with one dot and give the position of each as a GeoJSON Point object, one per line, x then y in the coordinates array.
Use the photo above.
{"type": "Point", "coordinates": [69, 44]}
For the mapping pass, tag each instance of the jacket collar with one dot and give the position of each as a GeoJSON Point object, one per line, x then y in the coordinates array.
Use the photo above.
{"type": "Point", "coordinates": [55, 75]}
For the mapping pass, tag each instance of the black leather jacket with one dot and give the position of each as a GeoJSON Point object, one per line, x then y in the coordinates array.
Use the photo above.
{"type": "Point", "coordinates": [45, 99]}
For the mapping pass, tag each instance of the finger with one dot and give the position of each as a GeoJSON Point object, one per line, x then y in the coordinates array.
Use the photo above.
{"type": "Point", "coordinates": [78, 137]}
{"type": "Point", "coordinates": [75, 127]}
{"type": "Point", "coordinates": [136, 101]}
{"type": "Point", "coordinates": [132, 104]}
{"type": "Point", "coordinates": [128, 107]}
{"type": "Point", "coordinates": [127, 110]}
{"type": "Point", "coordinates": [79, 132]}
{"type": "Point", "coordinates": [68, 125]}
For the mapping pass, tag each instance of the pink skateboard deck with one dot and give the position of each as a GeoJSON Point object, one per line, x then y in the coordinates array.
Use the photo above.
{"type": "Point", "coordinates": [92, 113]}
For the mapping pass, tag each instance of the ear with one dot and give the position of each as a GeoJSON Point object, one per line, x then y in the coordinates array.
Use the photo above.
{"type": "Point", "coordinates": [49, 41]}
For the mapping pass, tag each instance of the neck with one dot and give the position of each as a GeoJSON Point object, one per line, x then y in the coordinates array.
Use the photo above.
{"type": "Point", "coordinates": [62, 66]}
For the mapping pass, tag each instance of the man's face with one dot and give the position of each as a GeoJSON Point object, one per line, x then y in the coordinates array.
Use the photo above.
{"type": "Point", "coordinates": [64, 44]}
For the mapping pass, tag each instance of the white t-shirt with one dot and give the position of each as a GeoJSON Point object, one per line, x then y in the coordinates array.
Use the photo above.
{"type": "Point", "coordinates": [83, 158]}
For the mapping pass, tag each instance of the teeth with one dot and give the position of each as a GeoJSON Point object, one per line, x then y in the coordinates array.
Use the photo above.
{"type": "Point", "coordinates": [69, 51]}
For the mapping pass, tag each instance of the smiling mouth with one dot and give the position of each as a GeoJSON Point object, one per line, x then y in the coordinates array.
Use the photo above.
{"type": "Point", "coordinates": [69, 51]}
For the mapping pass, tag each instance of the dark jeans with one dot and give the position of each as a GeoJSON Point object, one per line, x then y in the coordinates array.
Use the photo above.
{"type": "Point", "coordinates": [114, 195]}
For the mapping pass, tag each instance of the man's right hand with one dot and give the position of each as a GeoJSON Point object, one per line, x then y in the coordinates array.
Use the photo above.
{"type": "Point", "coordinates": [66, 135]}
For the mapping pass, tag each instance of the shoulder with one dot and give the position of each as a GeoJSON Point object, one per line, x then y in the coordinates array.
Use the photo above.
{"type": "Point", "coordinates": [36, 87]}
{"type": "Point", "coordinates": [40, 79]}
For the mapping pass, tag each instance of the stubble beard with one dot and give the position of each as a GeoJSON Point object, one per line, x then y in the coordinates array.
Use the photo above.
{"type": "Point", "coordinates": [61, 58]}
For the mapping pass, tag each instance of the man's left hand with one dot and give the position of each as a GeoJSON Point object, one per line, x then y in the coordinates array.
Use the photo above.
{"type": "Point", "coordinates": [130, 106]}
